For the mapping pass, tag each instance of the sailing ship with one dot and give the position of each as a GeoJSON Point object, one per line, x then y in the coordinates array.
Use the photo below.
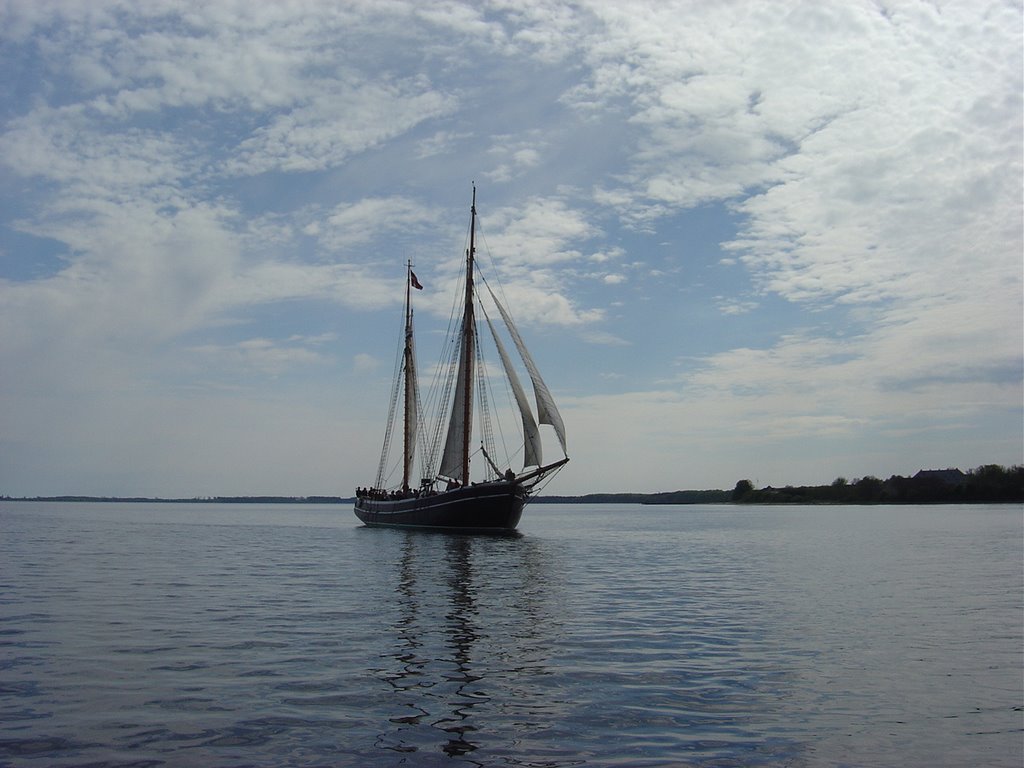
{"type": "Point", "coordinates": [445, 495]}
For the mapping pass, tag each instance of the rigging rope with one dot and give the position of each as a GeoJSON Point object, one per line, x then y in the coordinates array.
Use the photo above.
{"type": "Point", "coordinates": [395, 387]}
{"type": "Point", "coordinates": [483, 386]}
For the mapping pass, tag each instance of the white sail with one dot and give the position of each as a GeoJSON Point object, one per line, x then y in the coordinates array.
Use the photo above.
{"type": "Point", "coordinates": [451, 459]}
{"type": "Point", "coordinates": [547, 412]}
{"type": "Point", "coordinates": [531, 432]}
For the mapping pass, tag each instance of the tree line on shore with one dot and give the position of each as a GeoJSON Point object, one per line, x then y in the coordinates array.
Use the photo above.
{"type": "Point", "coordinates": [990, 483]}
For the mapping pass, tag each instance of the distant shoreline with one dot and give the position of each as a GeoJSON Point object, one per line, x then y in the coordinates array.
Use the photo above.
{"type": "Point", "coordinates": [988, 484]}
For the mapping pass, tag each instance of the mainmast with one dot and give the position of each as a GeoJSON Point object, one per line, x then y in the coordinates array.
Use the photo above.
{"type": "Point", "coordinates": [409, 409]}
{"type": "Point", "coordinates": [468, 328]}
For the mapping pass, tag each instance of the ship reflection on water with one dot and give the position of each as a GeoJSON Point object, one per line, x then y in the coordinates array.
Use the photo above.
{"type": "Point", "coordinates": [462, 636]}
{"type": "Point", "coordinates": [467, 661]}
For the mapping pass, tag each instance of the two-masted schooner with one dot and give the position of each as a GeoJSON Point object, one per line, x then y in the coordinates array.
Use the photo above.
{"type": "Point", "coordinates": [445, 496]}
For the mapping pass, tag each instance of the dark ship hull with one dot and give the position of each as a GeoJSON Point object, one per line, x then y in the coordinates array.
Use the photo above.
{"type": "Point", "coordinates": [487, 508]}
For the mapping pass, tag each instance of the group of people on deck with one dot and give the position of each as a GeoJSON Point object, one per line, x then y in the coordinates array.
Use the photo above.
{"type": "Point", "coordinates": [381, 494]}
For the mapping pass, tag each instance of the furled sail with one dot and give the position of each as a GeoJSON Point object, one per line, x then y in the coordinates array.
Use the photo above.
{"type": "Point", "coordinates": [454, 445]}
{"type": "Point", "coordinates": [547, 412]}
{"type": "Point", "coordinates": [531, 432]}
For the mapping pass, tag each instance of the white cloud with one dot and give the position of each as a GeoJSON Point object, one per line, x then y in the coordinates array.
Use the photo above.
{"type": "Point", "coordinates": [354, 224]}
{"type": "Point", "coordinates": [609, 254]}
{"type": "Point", "coordinates": [735, 306]}
{"type": "Point", "coordinates": [538, 232]}
{"type": "Point", "coordinates": [604, 338]}
{"type": "Point", "coordinates": [64, 146]}
{"type": "Point", "coordinates": [350, 285]}
{"type": "Point", "coordinates": [364, 363]}
{"type": "Point", "coordinates": [334, 125]}
{"type": "Point", "coordinates": [515, 158]}
{"type": "Point", "coordinates": [441, 143]}
{"type": "Point", "coordinates": [265, 356]}
{"type": "Point", "coordinates": [852, 157]}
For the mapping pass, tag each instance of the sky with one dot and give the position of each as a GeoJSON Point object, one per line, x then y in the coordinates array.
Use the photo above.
{"type": "Point", "coordinates": [776, 241]}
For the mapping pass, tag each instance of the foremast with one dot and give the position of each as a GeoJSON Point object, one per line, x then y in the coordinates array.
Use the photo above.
{"type": "Point", "coordinates": [409, 409]}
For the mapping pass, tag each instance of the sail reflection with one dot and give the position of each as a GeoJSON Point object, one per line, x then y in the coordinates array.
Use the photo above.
{"type": "Point", "coordinates": [470, 643]}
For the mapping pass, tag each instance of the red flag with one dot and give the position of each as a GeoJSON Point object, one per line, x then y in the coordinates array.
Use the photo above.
{"type": "Point", "coordinates": [414, 282]}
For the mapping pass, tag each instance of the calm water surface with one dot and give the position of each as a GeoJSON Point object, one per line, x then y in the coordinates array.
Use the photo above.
{"type": "Point", "coordinates": [219, 635]}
